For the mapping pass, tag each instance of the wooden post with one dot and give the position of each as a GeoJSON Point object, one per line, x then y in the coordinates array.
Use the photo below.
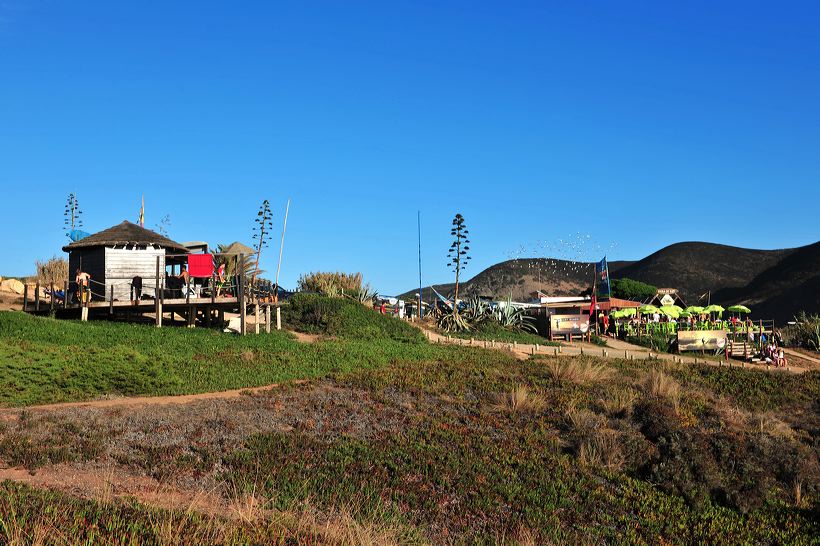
{"type": "Point", "coordinates": [157, 303]}
{"type": "Point", "coordinates": [51, 306]}
{"type": "Point", "coordinates": [267, 319]}
{"type": "Point", "coordinates": [65, 295]}
{"type": "Point", "coordinates": [37, 296]}
{"type": "Point", "coordinates": [278, 318]}
{"type": "Point", "coordinates": [213, 288]}
{"type": "Point", "coordinates": [25, 297]}
{"type": "Point", "coordinates": [241, 291]}
{"type": "Point", "coordinates": [256, 322]}
{"type": "Point", "coordinates": [188, 291]}
{"type": "Point", "coordinates": [111, 301]}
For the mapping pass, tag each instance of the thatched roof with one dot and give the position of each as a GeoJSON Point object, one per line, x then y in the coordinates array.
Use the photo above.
{"type": "Point", "coordinates": [126, 233]}
{"type": "Point", "coordinates": [237, 248]}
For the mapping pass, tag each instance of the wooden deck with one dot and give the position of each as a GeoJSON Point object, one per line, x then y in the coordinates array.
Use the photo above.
{"type": "Point", "coordinates": [206, 311]}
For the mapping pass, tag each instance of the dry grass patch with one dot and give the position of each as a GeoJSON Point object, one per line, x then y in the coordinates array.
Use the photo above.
{"type": "Point", "coordinates": [618, 403]}
{"type": "Point", "coordinates": [520, 399]}
{"type": "Point", "coordinates": [248, 355]}
{"type": "Point", "coordinates": [601, 448]}
{"type": "Point", "coordinates": [662, 385]}
{"type": "Point", "coordinates": [771, 425]}
{"type": "Point", "coordinates": [583, 420]}
{"type": "Point", "coordinates": [592, 442]}
{"type": "Point", "coordinates": [577, 371]}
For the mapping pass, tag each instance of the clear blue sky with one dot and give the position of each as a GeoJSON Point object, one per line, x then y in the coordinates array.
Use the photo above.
{"type": "Point", "coordinates": [635, 124]}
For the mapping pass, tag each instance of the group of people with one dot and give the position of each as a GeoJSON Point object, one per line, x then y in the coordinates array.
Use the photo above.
{"type": "Point", "coordinates": [773, 354]}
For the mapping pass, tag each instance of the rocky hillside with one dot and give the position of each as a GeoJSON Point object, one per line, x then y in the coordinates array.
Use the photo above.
{"type": "Point", "coordinates": [522, 277]}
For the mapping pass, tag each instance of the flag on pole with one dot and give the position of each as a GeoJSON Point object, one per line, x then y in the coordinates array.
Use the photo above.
{"type": "Point", "coordinates": [142, 212]}
{"type": "Point", "coordinates": [602, 277]}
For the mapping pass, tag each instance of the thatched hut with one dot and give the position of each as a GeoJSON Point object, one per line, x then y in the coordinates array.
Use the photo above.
{"type": "Point", "coordinates": [113, 257]}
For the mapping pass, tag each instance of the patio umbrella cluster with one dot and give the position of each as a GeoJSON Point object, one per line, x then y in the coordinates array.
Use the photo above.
{"type": "Point", "coordinates": [675, 311]}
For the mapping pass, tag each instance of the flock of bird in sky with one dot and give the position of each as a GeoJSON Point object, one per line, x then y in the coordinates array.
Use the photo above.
{"type": "Point", "coordinates": [564, 257]}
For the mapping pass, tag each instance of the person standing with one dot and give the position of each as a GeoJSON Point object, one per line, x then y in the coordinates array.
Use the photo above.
{"type": "Point", "coordinates": [136, 289]}
{"type": "Point", "coordinates": [82, 279]}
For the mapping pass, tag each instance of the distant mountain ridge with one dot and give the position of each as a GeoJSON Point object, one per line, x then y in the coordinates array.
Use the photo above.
{"type": "Point", "coordinates": [774, 283]}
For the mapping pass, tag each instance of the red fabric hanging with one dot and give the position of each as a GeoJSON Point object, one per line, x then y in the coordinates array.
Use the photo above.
{"type": "Point", "coordinates": [200, 265]}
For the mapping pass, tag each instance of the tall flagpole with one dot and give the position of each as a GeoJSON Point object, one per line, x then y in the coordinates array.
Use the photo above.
{"type": "Point", "coordinates": [421, 314]}
{"type": "Point", "coordinates": [281, 247]}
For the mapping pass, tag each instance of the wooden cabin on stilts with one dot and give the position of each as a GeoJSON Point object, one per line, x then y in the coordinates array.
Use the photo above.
{"type": "Point", "coordinates": [136, 273]}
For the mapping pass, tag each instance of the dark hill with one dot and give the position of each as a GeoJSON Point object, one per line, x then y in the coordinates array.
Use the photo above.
{"type": "Point", "coordinates": [782, 290]}
{"type": "Point", "coordinates": [695, 268]}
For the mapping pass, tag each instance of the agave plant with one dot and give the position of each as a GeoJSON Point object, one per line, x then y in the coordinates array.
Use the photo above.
{"type": "Point", "coordinates": [513, 318]}
{"type": "Point", "coordinates": [805, 332]}
{"type": "Point", "coordinates": [365, 294]}
{"type": "Point", "coordinates": [477, 311]}
{"type": "Point", "coordinates": [814, 341]}
{"type": "Point", "coordinates": [451, 321]}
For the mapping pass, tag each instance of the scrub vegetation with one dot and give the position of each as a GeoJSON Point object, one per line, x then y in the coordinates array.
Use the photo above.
{"type": "Point", "coordinates": [392, 439]}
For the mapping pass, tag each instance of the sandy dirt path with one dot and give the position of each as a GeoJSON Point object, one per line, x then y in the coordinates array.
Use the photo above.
{"type": "Point", "coordinates": [141, 401]}
{"type": "Point", "coordinates": [615, 349]}
{"type": "Point", "coordinates": [106, 485]}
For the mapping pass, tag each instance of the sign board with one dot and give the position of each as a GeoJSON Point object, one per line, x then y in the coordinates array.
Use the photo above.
{"type": "Point", "coordinates": [665, 291]}
{"type": "Point", "coordinates": [568, 324]}
{"type": "Point", "coordinates": [701, 340]}
{"type": "Point", "coordinates": [667, 300]}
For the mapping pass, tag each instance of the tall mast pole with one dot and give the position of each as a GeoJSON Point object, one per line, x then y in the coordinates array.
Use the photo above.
{"type": "Point", "coordinates": [281, 247]}
{"type": "Point", "coordinates": [421, 314]}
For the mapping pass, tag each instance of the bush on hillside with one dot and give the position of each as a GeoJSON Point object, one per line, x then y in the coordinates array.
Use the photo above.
{"type": "Point", "coordinates": [630, 289]}
{"type": "Point", "coordinates": [333, 283]}
{"type": "Point", "coordinates": [317, 314]}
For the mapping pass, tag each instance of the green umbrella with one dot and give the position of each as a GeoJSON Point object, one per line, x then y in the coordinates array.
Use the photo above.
{"type": "Point", "coordinates": [670, 310]}
{"type": "Point", "coordinates": [694, 309]}
{"type": "Point", "coordinates": [714, 309]}
{"type": "Point", "coordinates": [629, 312]}
{"type": "Point", "coordinates": [647, 309]}
{"type": "Point", "coordinates": [739, 309]}
{"type": "Point", "coordinates": [685, 314]}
